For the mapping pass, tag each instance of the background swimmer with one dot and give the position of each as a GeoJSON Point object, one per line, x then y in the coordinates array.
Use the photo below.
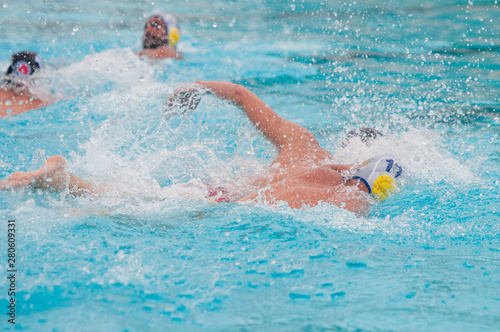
{"type": "Point", "coordinates": [15, 94]}
{"type": "Point", "coordinates": [161, 34]}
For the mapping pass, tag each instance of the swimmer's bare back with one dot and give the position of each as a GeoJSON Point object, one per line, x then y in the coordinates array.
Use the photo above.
{"type": "Point", "coordinates": [325, 184]}
{"type": "Point", "coordinates": [299, 155]}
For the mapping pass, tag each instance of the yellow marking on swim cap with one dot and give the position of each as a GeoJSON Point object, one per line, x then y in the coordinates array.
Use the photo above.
{"type": "Point", "coordinates": [384, 186]}
{"type": "Point", "coordinates": [173, 36]}
{"type": "Point", "coordinates": [364, 164]}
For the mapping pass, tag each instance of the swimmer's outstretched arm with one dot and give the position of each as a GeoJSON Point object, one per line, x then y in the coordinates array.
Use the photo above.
{"type": "Point", "coordinates": [281, 132]}
{"type": "Point", "coordinates": [54, 175]}
{"type": "Point", "coordinates": [12, 103]}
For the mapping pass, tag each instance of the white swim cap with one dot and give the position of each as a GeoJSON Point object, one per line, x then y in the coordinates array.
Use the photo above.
{"type": "Point", "coordinates": [380, 175]}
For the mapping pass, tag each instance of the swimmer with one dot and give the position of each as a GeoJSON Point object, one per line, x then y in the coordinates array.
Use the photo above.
{"type": "Point", "coordinates": [303, 173]}
{"type": "Point", "coordinates": [161, 34]}
{"type": "Point", "coordinates": [15, 95]}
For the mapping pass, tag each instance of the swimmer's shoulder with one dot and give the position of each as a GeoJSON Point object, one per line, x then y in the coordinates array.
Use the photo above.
{"type": "Point", "coordinates": [163, 52]}
{"type": "Point", "coordinates": [12, 103]}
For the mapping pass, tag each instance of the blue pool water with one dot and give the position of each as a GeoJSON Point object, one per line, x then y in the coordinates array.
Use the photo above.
{"type": "Point", "coordinates": [152, 255]}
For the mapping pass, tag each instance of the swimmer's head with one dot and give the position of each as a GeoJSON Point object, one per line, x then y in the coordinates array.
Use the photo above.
{"type": "Point", "coordinates": [365, 134]}
{"type": "Point", "coordinates": [380, 175]}
{"type": "Point", "coordinates": [160, 30]}
{"type": "Point", "coordinates": [24, 64]}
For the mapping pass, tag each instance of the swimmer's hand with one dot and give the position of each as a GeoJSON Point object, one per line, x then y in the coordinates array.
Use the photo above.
{"type": "Point", "coordinates": [184, 99]}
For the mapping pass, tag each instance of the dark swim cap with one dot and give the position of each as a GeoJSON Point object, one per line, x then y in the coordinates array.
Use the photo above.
{"type": "Point", "coordinates": [25, 64]}
{"type": "Point", "coordinates": [365, 134]}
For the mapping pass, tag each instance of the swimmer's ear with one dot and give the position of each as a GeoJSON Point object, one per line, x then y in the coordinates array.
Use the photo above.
{"type": "Point", "coordinates": [173, 36]}
{"type": "Point", "coordinates": [384, 186]}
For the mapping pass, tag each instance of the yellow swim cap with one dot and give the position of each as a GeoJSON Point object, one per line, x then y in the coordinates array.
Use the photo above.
{"type": "Point", "coordinates": [384, 186]}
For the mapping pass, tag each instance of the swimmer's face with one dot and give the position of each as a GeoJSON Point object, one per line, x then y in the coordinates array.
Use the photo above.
{"type": "Point", "coordinates": [155, 33]}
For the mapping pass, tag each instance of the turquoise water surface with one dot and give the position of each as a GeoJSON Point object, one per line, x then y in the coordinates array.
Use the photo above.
{"type": "Point", "coordinates": [153, 255]}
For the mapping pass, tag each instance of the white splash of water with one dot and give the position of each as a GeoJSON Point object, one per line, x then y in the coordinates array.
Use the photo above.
{"type": "Point", "coordinates": [420, 151]}
{"type": "Point", "coordinates": [97, 72]}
